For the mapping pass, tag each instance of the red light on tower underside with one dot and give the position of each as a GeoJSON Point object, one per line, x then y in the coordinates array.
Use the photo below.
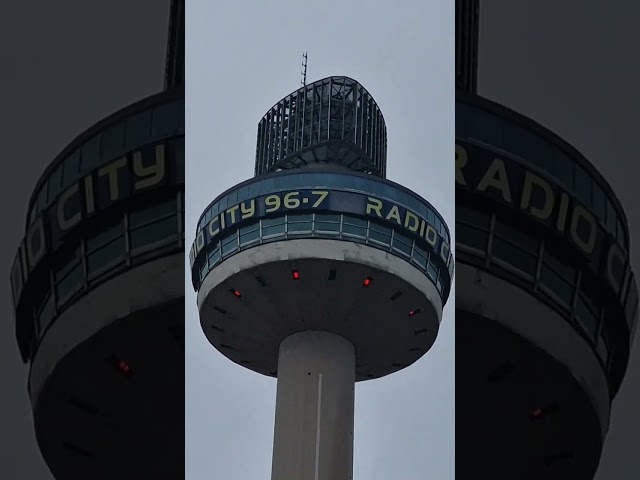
{"type": "Point", "coordinates": [124, 367]}
{"type": "Point", "coordinates": [367, 282]}
{"type": "Point", "coordinates": [236, 292]}
{"type": "Point", "coordinates": [295, 274]}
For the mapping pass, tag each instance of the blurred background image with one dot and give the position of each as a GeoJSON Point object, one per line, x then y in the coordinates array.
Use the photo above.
{"type": "Point", "coordinates": [92, 363]}
{"type": "Point", "coordinates": [546, 214]}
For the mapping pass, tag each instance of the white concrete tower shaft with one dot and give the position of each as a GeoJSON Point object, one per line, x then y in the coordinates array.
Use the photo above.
{"type": "Point", "coordinates": [313, 437]}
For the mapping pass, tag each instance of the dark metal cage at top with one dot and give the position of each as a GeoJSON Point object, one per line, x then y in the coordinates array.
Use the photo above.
{"type": "Point", "coordinates": [333, 122]}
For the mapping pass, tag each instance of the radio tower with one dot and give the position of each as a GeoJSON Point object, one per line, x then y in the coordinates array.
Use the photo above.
{"type": "Point", "coordinates": [319, 271]}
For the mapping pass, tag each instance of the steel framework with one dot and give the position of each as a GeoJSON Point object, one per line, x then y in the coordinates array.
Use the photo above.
{"type": "Point", "coordinates": [333, 120]}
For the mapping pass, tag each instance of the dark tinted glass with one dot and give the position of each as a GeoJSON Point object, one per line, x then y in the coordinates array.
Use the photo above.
{"type": "Point", "coordinates": [90, 155]}
{"type": "Point", "coordinates": [71, 169]}
{"type": "Point", "coordinates": [152, 213]}
{"type": "Point", "coordinates": [70, 284]}
{"type": "Point", "coordinates": [137, 130]}
{"type": "Point", "coordinates": [106, 257]}
{"type": "Point", "coordinates": [112, 143]}
{"type": "Point", "coordinates": [153, 233]}
{"type": "Point", "coordinates": [514, 256]}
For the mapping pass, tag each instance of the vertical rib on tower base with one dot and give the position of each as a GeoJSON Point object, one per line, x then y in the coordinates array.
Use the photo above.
{"type": "Point", "coordinates": [313, 437]}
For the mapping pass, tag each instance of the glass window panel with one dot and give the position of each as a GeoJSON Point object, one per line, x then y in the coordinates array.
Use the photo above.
{"type": "Point", "coordinates": [274, 230]}
{"type": "Point", "coordinates": [66, 261]}
{"type": "Point", "coordinates": [432, 271]}
{"type": "Point", "coordinates": [327, 227]}
{"type": "Point", "coordinates": [299, 227]}
{"type": "Point", "coordinates": [356, 222]}
{"type": "Point", "coordinates": [439, 285]}
{"type": "Point", "coordinates": [71, 169]}
{"type": "Point", "coordinates": [249, 237]}
{"type": "Point", "coordinates": [204, 269]}
{"type": "Point", "coordinates": [106, 257]}
{"type": "Point", "coordinates": [582, 186]}
{"type": "Point", "coordinates": [243, 194]}
{"type": "Point", "coordinates": [157, 232]}
{"type": "Point", "coordinates": [420, 258]}
{"type": "Point", "coordinates": [254, 227]}
{"type": "Point", "coordinates": [55, 183]}
{"type": "Point", "coordinates": [214, 257]}
{"type": "Point", "coordinates": [42, 197]}
{"type": "Point", "coordinates": [299, 218]}
{"type": "Point", "coordinates": [90, 155]}
{"type": "Point", "coordinates": [557, 285]}
{"type": "Point", "coordinates": [431, 218]}
{"type": "Point", "coordinates": [472, 237]}
{"type": "Point", "coordinates": [323, 217]}
{"type": "Point", "coordinates": [46, 315]}
{"type": "Point", "coordinates": [561, 269]}
{"type": "Point", "coordinates": [229, 245]}
{"type": "Point", "coordinates": [268, 222]}
{"type": "Point", "coordinates": [599, 203]}
{"type": "Point", "coordinates": [167, 120]}
{"type": "Point", "coordinates": [137, 130]}
{"type": "Point", "coordinates": [34, 213]}
{"type": "Point", "coordinates": [70, 284]}
{"type": "Point", "coordinates": [154, 212]}
{"type": "Point", "coordinates": [380, 236]}
{"type": "Point", "coordinates": [514, 256]}
{"type": "Point", "coordinates": [402, 243]}
{"type": "Point", "coordinates": [589, 291]}
{"type": "Point", "coordinates": [112, 143]}
{"type": "Point", "coordinates": [612, 218]}
{"type": "Point", "coordinates": [105, 235]}
{"type": "Point", "coordinates": [524, 241]}
{"type": "Point", "coordinates": [586, 318]}
{"type": "Point", "coordinates": [353, 230]}
{"type": "Point", "coordinates": [620, 234]}
{"type": "Point", "coordinates": [438, 224]}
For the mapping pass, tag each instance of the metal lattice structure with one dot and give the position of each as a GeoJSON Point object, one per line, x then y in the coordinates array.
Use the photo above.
{"type": "Point", "coordinates": [333, 121]}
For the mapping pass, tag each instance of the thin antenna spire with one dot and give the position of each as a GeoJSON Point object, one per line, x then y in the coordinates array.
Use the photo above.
{"type": "Point", "coordinates": [304, 69]}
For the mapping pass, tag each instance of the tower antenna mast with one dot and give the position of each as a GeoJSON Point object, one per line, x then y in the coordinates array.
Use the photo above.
{"type": "Point", "coordinates": [304, 69]}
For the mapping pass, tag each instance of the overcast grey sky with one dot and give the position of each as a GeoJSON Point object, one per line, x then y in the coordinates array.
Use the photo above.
{"type": "Point", "coordinates": [572, 66]}
{"type": "Point", "coordinates": [244, 56]}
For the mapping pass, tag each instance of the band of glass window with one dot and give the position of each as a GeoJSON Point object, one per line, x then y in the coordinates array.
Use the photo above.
{"type": "Point", "coordinates": [334, 108]}
{"type": "Point", "coordinates": [137, 236]}
{"type": "Point", "coordinates": [331, 226]}
{"type": "Point", "coordinates": [164, 120]}
{"type": "Point", "coordinates": [485, 236]}
{"type": "Point", "coordinates": [489, 130]}
{"type": "Point", "coordinates": [343, 181]}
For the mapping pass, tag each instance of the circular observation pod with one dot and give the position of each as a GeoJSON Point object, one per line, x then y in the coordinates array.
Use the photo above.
{"type": "Point", "coordinates": [99, 299]}
{"type": "Point", "coordinates": [331, 121]}
{"type": "Point", "coordinates": [305, 250]}
{"type": "Point", "coordinates": [546, 304]}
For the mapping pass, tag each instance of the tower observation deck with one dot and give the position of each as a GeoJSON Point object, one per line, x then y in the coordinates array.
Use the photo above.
{"type": "Point", "coordinates": [98, 292]}
{"type": "Point", "coordinates": [319, 271]}
{"type": "Point", "coordinates": [547, 302]}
